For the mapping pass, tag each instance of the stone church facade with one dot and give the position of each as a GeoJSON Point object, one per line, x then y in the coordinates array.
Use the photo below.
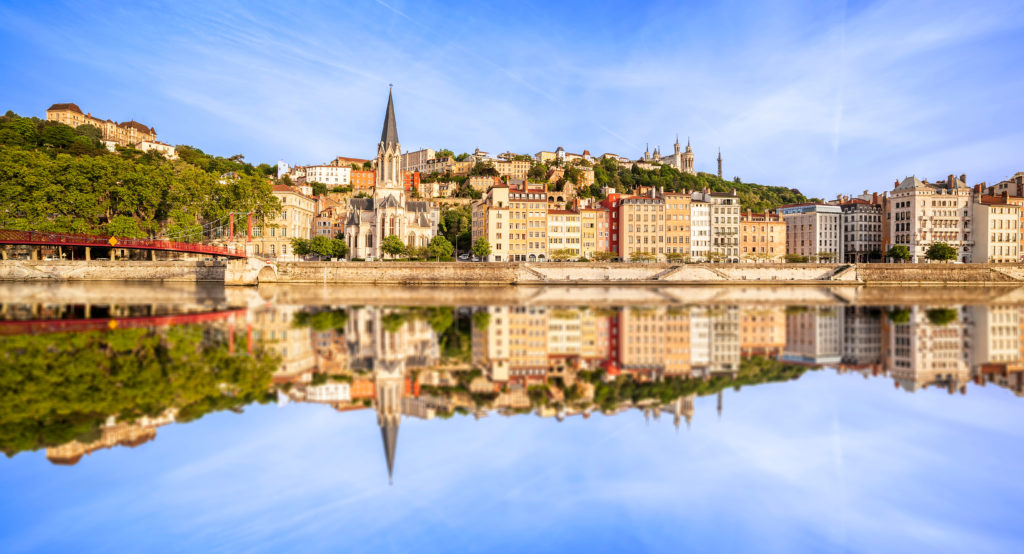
{"type": "Point", "coordinates": [388, 212]}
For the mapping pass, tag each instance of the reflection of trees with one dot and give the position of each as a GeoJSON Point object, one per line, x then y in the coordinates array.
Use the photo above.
{"type": "Point", "coordinates": [595, 389]}
{"type": "Point", "coordinates": [941, 316]}
{"type": "Point", "coordinates": [323, 320]}
{"type": "Point", "coordinates": [59, 387]}
{"type": "Point", "coordinates": [756, 370]}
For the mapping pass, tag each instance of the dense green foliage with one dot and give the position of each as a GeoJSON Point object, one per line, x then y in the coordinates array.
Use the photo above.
{"type": "Point", "coordinates": [899, 252]}
{"type": "Point", "coordinates": [57, 387]}
{"type": "Point", "coordinates": [320, 246]}
{"type": "Point", "coordinates": [439, 248]}
{"type": "Point", "coordinates": [481, 248]}
{"type": "Point", "coordinates": [392, 245]}
{"type": "Point", "coordinates": [57, 178]}
{"type": "Point", "coordinates": [941, 252]}
{"type": "Point", "coordinates": [754, 197]}
{"type": "Point", "coordinates": [626, 179]}
{"type": "Point", "coordinates": [456, 225]}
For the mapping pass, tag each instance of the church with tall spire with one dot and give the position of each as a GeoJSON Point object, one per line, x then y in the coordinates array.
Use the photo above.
{"type": "Point", "coordinates": [389, 211]}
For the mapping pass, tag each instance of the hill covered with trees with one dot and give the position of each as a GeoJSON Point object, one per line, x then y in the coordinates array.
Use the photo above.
{"type": "Point", "coordinates": [626, 178]}
{"type": "Point", "coordinates": [57, 178]}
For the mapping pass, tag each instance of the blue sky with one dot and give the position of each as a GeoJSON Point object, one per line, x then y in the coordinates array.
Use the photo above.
{"type": "Point", "coordinates": [825, 96]}
{"type": "Point", "coordinates": [827, 463]}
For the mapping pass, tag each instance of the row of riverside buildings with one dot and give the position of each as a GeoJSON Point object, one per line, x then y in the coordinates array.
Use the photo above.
{"type": "Point", "coordinates": [526, 221]}
{"type": "Point", "coordinates": [523, 222]}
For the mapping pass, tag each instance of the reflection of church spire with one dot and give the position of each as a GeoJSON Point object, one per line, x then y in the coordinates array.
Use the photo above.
{"type": "Point", "coordinates": [388, 384]}
{"type": "Point", "coordinates": [389, 433]}
{"type": "Point", "coordinates": [719, 404]}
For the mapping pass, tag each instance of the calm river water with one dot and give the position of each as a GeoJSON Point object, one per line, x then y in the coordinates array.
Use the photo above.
{"type": "Point", "coordinates": [158, 418]}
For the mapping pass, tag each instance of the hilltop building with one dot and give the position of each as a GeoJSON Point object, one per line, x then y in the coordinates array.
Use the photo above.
{"type": "Point", "coordinates": [129, 133]}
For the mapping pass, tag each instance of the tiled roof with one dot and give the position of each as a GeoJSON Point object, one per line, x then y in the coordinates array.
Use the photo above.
{"type": "Point", "coordinates": [68, 106]}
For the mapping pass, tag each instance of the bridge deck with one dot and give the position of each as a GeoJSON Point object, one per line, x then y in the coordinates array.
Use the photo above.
{"type": "Point", "coordinates": [39, 238]}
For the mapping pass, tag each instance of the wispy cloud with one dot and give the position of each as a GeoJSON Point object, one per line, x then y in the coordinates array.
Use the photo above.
{"type": "Point", "coordinates": [828, 97]}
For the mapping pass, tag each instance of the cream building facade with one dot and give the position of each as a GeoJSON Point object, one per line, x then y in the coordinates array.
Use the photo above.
{"type": "Point", "coordinates": [922, 213]}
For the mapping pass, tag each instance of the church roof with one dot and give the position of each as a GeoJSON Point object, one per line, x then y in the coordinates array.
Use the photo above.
{"type": "Point", "coordinates": [361, 203]}
{"type": "Point", "coordinates": [389, 202]}
{"type": "Point", "coordinates": [389, 134]}
{"type": "Point", "coordinates": [417, 206]}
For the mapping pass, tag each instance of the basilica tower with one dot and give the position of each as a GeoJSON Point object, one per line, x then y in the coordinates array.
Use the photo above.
{"type": "Point", "coordinates": [688, 159]}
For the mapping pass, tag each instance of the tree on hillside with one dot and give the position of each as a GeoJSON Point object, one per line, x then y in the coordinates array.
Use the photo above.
{"type": "Point", "coordinates": [443, 153]}
{"type": "Point", "coordinates": [940, 252]}
{"type": "Point", "coordinates": [899, 253]}
{"type": "Point", "coordinates": [319, 189]}
{"type": "Point", "coordinates": [392, 245]}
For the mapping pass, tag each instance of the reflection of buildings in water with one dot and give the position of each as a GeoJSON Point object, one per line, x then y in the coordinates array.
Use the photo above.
{"type": "Point", "coordinates": [762, 331]}
{"type": "Point", "coordinates": [272, 326]}
{"type": "Point", "coordinates": [862, 340]}
{"type": "Point", "coordinates": [697, 341]}
{"type": "Point", "coordinates": [921, 353]}
{"type": "Point", "coordinates": [653, 342]}
{"type": "Point", "coordinates": [997, 341]}
{"type": "Point", "coordinates": [412, 341]}
{"type": "Point", "coordinates": [514, 346]}
{"type": "Point", "coordinates": [814, 335]}
{"type": "Point", "coordinates": [112, 433]}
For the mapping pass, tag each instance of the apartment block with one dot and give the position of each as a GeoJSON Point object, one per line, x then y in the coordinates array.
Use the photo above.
{"type": "Point", "coordinates": [642, 227]}
{"type": "Point", "coordinates": [813, 230]}
{"type": "Point", "coordinates": [997, 238]}
{"type": "Point", "coordinates": [491, 221]}
{"type": "Point", "coordinates": [762, 237]}
{"type": "Point", "coordinates": [862, 230]}
{"type": "Point", "coordinates": [677, 224]}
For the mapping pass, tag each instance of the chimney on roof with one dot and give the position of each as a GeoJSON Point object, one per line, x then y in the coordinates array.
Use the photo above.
{"type": "Point", "coordinates": [897, 184]}
{"type": "Point", "coordinates": [874, 197]}
{"type": "Point", "coordinates": [963, 178]}
{"type": "Point", "coordinates": [1006, 197]}
{"type": "Point", "coordinates": [950, 180]}
{"type": "Point", "coordinates": [977, 189]}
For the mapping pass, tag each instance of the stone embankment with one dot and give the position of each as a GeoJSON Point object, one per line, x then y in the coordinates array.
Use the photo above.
{"type": "Point", "coordinates": [254, 271]}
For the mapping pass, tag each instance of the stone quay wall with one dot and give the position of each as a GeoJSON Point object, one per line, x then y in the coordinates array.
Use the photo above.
{"type": "Point", "coordinates": [254, 271]}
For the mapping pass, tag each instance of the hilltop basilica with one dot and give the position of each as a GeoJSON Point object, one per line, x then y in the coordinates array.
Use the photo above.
{"type": "Point", "coordinates": [683, 161]}
{"type": "Point", "coordinates": [388, 212]}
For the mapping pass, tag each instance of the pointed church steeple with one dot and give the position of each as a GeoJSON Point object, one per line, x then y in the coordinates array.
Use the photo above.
{"type": "Point", "coordinates": [389, 135]}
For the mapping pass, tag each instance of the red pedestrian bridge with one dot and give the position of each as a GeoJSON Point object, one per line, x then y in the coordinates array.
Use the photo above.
{"type": "Point", "coordinates": [40, 238]}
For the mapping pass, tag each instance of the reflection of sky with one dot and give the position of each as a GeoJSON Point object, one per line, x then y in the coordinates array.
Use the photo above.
{"type": "Point", "coordinates": [825, 463]}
